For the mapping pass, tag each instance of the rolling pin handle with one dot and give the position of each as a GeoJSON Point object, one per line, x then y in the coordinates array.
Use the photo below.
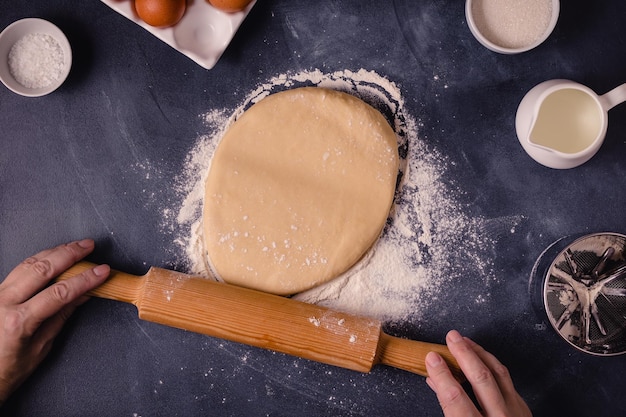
{"type": "Point", "coordinates": [119, 286]}
{"type": "Point", "coordinates": [410, 355]}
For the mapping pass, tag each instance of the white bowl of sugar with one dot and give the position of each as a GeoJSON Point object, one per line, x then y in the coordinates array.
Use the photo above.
{"type": "Point", "coordinates": [511, 26]}
{"type": "Point", "coordinates": [35, 57]}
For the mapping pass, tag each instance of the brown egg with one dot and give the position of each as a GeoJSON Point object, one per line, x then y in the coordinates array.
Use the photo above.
{"type": "Point", "coordinates": [160, 13]}
{"type": "Point", "coordinates": [230, 6]}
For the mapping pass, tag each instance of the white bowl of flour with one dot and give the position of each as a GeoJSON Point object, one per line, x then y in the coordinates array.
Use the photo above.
{"type": "Point", "coordinates": [35, 57]}
{"type": "Point", "coordinates": [511, 26]}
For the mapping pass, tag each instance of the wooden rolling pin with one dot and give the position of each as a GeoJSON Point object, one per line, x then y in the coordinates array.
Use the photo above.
{"type": "Point", "coordinates": [264, 320]}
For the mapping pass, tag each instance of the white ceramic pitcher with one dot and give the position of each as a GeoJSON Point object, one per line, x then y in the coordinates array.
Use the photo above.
{"type": "Point", "coordinates": [562, 124]}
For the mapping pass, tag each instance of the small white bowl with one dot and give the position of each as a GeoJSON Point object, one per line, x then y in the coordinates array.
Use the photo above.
{"type": "Point", "coordinates": [490, 42]}
{"type": "Point", "coordinates": [16, 31]}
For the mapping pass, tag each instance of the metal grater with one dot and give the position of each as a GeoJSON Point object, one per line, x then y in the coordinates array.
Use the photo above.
{"type": "Point", "coordinates": [584, 293]}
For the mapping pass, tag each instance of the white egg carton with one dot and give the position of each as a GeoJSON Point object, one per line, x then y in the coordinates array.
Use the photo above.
{"type": "Point", "coordinates": [202, 34]}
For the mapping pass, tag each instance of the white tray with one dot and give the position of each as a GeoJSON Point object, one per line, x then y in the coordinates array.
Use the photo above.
{"type": "Point", "coordinates": [202, 34]}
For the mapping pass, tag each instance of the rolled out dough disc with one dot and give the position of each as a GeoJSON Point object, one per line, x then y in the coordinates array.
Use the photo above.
{"type": "Point", "coordinates": [298, 190]}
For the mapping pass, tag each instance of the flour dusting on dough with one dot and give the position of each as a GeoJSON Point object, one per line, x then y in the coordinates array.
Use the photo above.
{"type": "Point", "coordinates": [428, 240]}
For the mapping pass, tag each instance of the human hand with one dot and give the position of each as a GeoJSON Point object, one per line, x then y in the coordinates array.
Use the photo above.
{"type": "Point", "coordinates": [489, 379]}
{"type": "Point", "coordinates": [32, 313]}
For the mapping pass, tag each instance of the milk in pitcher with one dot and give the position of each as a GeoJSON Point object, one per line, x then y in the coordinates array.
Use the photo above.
{"type": "Point", "coordinates": [569, 121]}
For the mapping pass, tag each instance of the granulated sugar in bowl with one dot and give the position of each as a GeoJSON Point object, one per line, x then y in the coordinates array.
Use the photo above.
{"type": "Point", "coordinates": [35, 57]}
{"type": "Point", "coordinates": [511, 26]}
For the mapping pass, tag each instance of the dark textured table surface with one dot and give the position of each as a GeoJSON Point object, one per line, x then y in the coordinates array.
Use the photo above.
{"type": "Point", "coordinates": [99, 157]}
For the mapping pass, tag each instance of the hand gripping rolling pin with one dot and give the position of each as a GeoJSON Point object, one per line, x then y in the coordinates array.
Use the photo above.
{"type": "Point", "coordinates": [264, 320]}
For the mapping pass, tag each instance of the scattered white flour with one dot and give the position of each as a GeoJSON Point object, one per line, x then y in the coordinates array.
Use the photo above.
{"type": "Point", "coordinates": [428, 239]}
{"type": "Point", "coordinates": [314, 321]}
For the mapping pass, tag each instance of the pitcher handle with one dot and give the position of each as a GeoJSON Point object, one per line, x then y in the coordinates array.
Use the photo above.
{"type": "Point", "coordinates": [613, 97]}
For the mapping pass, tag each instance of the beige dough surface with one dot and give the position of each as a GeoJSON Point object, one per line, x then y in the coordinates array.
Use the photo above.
{"type": "Point", "coordinates": [298, 190]}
